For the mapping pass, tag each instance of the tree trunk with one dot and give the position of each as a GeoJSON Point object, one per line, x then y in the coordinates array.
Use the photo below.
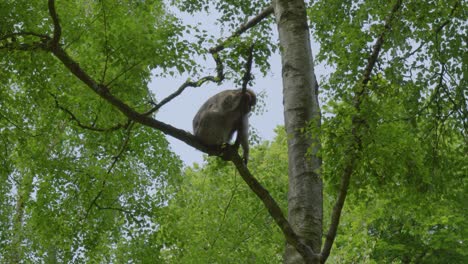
{"type": "Point", "coordinates": [24, 189]}
{"type": "Point", "coordinates": [301, 113]}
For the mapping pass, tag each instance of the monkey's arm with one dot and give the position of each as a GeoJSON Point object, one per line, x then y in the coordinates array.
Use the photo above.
{"type": "Point", "coordinates": [243, 137]}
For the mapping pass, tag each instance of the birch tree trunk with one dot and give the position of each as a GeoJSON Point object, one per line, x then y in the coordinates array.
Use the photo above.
{"type": "Point", "coordinates": [301, 111]}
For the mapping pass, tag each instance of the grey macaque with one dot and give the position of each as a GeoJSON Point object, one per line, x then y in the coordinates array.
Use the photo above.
{"type": "Point", "coordinates": [223, 114]}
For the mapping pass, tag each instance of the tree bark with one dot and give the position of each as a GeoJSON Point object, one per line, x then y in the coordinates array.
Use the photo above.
{"type": "Point", "coordinates": [301, 113]}
{"type": "Point", "coordinates": [24, 189]}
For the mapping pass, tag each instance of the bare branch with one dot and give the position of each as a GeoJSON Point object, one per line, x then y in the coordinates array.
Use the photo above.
{"type": "Point", "coordinates": [243, 28]}
{"type": "Point", "coordinates": [248, 68]}
{"type": "Point", "coordinates": [356, 124]}
{"type": "Point", "coordinates": [217, 79]}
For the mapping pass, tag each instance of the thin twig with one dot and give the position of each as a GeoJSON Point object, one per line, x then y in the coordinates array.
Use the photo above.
{"type": "Point", "coordinates": [80, 124]}
{"type": "Point", "coordinates": [216, 79]}
{"type": "Point", "coordinates": [243, 28]}
{"type": "Point", "coordinates": [109, 170]}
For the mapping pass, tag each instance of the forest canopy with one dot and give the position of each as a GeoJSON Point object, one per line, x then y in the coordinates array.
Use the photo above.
{"type": "Point", "coordinates": [87, 174]}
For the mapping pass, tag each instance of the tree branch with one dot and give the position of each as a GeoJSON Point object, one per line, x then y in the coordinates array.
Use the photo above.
{"type": "Point", "coordinates": [243, 28]}
{"type": "Point", "coordinates": [356, 124]}
{"type": "Point", "coordinates": [122, 210]}
{"type": "Point", "coordinates": [248, 68]}
{"type": "Point", "coordinates": [12, 44]}
{"type": "Point", "coordinates": [219, 66]}
{"type": "Point", "coordinates": [378, 44]}
{"type": "Point", "coordinates": [115, 158]}
{"type": "Point", "coordinates": [217, 79]}
{"type": "Point", "coordinates": [57, 27]}
{"type": "Point", "coordinates": [80, 124]}
{"type": "Point", "coordinates": [22, 34]}
{"type": "Point", "coordinates": [274, 209]}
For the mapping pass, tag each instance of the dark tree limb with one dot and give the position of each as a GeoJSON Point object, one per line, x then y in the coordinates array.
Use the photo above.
{"type": "Point", "coordinates": [245, 82]}
{"type": "Point", "coordinates": [356, 125]}
{"type": "Point", "coordinates": [57, 28]}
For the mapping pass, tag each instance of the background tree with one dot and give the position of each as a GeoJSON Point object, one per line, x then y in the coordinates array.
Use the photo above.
{"type": "Point", "coordinates": [402, 117]}
{"type": "Point", "coordinates": [216, 220]}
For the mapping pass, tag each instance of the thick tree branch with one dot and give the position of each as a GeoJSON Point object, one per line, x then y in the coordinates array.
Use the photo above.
{"type": "Point", "coordinates": [104, 92]}
{"type": "Point", "coordinates": [356, 125]}
{"type": "Point", "coordinates": [55, 19]}
{"type": "Point", "coordinates": [274, 209]}
{"type": "Point", "coordinates": [243, 28]}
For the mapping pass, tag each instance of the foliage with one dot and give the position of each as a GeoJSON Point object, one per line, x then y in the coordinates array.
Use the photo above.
{"type": "Point", "coordinates": [215, 217]}
{"type": "Point", "coordinates": [408, 190]}
{"type": "Point", "coordinates": [79, 182]}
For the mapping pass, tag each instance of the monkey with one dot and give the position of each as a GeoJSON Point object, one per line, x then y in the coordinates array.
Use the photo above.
{"type": "Point", "coordinates": [223, 114]}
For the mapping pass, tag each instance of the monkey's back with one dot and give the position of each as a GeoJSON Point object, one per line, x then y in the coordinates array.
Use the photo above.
{"type": "Point", "coordinates": [214, 116]}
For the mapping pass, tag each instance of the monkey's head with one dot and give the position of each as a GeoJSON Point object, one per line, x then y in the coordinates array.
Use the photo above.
{"type": "Point", "coordinates": [251, 99]}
